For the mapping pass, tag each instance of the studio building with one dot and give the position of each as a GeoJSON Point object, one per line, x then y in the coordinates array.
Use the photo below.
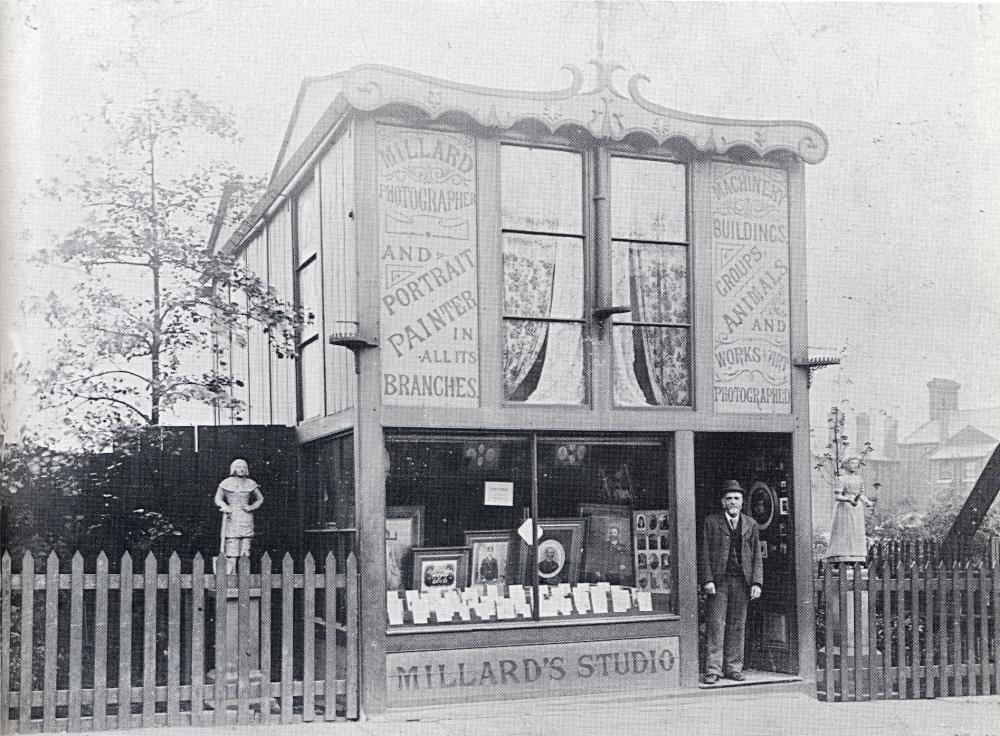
{"type": "Point", "coordinates": [546, 327]}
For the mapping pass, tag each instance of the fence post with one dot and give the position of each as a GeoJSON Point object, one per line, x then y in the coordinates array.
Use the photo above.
{"type": "Point", "coordinates": [244, 638]}
{"type": "Point", "coordinates": [221, 635]}
{"type": "Point", "coordinates": [872, 633]}
{"type": "Point", "coordinates": [857, 587]}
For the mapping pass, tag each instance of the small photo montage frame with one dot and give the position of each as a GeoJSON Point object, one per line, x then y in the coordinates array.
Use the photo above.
{"type": "Point", "coordinates": [440, 568]}
{"type": "Point", "coordinates": [493, 560]}
{"type": "Point", "coordinates": [763, 549]}
{"type": "Point", "coordinates": [559, 551]}
{"type": "Point", "coordinates": [404, 531]}
{"type": "Point", "coordinates": [783, 505]}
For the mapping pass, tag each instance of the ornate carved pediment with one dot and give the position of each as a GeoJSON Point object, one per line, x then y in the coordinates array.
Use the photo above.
{"type": "Point", "coordinates": [603, 110]}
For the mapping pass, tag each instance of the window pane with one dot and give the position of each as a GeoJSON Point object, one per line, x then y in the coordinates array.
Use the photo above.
{"type": "Point", "coordinates": [309, 296]}
{"type": "Point", "coordinates": [648, 200]}
{"type": "Point", "coordinates": [306, 224]}
{"type": "Point", "coordinates": [542, 276]}
{"type": "Point", "coordinates": [652, 366]}
{"type": "Point", "coordinates": [651, 279]}
{"type": "Point", "coordinates": [543, 362]}
{"type": "Point", "coordinates": [311, 359]}
{"type": "Point", "coordinates": [541, 190]}
{"type": "Point", "coordinates": [450, 557]}
{"type": "Point", "coordinates": [607, 510]}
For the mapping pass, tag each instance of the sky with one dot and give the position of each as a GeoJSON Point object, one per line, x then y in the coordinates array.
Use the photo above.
{"type": "Point", "coordinates": [903, 263]}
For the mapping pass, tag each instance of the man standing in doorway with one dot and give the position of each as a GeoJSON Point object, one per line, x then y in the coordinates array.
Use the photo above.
{"type": "Point", "coordinates": [731, 568]}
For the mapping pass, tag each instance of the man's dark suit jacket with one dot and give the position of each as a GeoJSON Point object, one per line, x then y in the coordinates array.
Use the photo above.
{"type": "Point", "coordinates": [715, 550]}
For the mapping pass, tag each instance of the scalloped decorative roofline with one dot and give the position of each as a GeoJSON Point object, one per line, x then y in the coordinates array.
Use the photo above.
{"type": "Point", "coordinates": [603, 110]}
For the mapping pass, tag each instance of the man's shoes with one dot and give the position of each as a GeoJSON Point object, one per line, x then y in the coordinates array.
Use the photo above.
{"type": "Point", "coordinates": [711, 679]}
{"type": "Point", "coordinates": [737, 676]}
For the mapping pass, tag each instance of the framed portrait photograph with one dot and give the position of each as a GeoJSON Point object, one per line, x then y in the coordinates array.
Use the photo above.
{"type": "Point", "coordinates": [762, 504]}
{"type": "Point", "coordinates": [492, 556]}
{"type": "Point", "coordinates": [607, 548]}
{"type": "Point", "coordinates": [440, 568]}
{"type": "Point", "coordinates": [404, 530]}
{"type": "Point", "coordinates": [559, 552]}
{"type": "Point", "coordinates": [763, 549]}
{"type": "Point", "coordinates": [783, 505]}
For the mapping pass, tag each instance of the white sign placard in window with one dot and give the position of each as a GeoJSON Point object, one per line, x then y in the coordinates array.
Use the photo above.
{"type": "Point", "coordinates": [428, 282]}
{"type": "Point", "coordinates": [750, 290]}
{"type": "Point", "coordinates": [499, 493]}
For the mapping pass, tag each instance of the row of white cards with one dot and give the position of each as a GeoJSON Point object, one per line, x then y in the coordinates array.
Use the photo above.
{"type": "Point", "coordinates": [560, 600]}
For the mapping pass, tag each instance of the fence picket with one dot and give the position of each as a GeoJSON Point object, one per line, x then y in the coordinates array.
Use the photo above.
{"type": "Point", "coordinates": [197, 640]}
{"type": "Point", "coordinates": [266, 689]}
{"type": "Point", "coordinates": [309, 639]}
{"type": "Point", "coordinates": [330, 639]}
{"type": "Point", "coordinates": [149, 643]}
{"type": "Point", "coordinates": [995, 606]}
{"type": "Point", "coordinates": [900, 629]}
{"type": "Point", "coordinates": [100, 709]}
{"type": "Point", "coordinates": [843, 671]}
{"type": "Point", "coordinates": [221, 635]}
{"type": "Point", "coordinates": [858, 630]}
{"type": "Point", "coordinates": [943, 627]}
{"type": "Point", "coordinates": [913, 672]}
{"type": "Point", "coordinates": [287, 593]}
{"type": "Point", "coordinates": [244, 635]}
{"type": "Point", "coordinates": [981, 648]}
{"type": "Point", "coordinates": [887, 671]}
{"type": "Point", "coordinates": [173, 640]}
{"type": "Point", "coordinates": [75, 642]}
{"type": "Point", "coordinates": [954, 634]}
{"type": "Point", "coordinates": [828, 643]}
{"type": "Point", "coordinates": [125, 642]}
{"type": "Point", "coordinates": [51, 642]}
{"type": "Point", "coordinates": [352, 635]}
{"type": "Point", "coordinates": [969, 618]}
{"type": "Point", "coordinates": [928, 667]}
{"type": "Point", "coordinates": [872, 679]}
{"type": "Point", "coordinates": [5, 632]}
{"type": "Point", "coordinates": [27, 642]}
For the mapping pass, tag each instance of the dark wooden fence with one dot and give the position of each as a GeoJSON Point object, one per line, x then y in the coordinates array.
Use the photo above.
{"type": "Point", "coordinates": [93, 649]}
{"type": "Point", "coordinates": [908, 626]}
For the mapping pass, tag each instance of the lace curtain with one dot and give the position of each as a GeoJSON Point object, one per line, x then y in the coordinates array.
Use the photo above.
{"type": "Point", "coordinates": [543, 361]}
{"type": "Point", "coordinates": [651, 364]}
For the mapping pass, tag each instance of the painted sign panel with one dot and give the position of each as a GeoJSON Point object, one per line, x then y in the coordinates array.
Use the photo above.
{"type": "Point", "coordinates": [414, 678]}
{"type": "Point", "coordinates": [751, 310]}
{"type": "Point", "coordinates": [428, 268]}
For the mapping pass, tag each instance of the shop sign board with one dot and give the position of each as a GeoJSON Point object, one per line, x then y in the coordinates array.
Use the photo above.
{"type": "Point", "coordinates": [750, 294]}
{"type": "Point", "coordinates": [428, 268]}
{"type": "Point", "coordinates": [539, 670]}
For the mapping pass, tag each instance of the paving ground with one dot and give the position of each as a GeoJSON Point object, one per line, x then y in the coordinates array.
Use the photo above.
{"type": "Point", "coordinates": [739, 711]}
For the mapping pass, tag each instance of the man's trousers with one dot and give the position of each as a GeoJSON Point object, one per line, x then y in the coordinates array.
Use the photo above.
{"type": "Point", "coordinates": [727, 615]}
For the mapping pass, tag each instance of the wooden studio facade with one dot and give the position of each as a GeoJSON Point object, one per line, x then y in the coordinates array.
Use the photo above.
{"type": "Point", "coordinates": [545, 328]}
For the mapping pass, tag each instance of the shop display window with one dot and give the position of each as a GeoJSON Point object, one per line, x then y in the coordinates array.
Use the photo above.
{"type": "Point", "coordinates": [458, 517]}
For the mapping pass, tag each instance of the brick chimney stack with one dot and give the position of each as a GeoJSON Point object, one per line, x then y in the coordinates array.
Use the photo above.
{"type": "Point", "coordinates": [890, 438]}
{"type": "Point", "coordinates": [863, 434]}
{"type": "Point", "coordinates": [943, 397]}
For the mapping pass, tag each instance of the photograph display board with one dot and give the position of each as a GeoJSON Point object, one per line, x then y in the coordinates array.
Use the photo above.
{"type": "Point", "coordinates": [429, 289]}
{"type": "Point", "coordinates": [750, 290]}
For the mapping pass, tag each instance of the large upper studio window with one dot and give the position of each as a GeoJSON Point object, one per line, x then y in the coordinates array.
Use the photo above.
{"type": "Point", "coordinates": [649, 274]}
{"type": "Point", "coordinates": [308, 290]}
{"type": "Point", "coordinates": [543, 266]}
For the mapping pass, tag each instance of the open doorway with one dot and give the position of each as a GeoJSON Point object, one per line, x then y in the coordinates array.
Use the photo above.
{"type": "Point", "coordinates": [762, 463]}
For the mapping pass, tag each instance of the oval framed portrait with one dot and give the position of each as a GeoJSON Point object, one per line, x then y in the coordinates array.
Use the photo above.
{"type": "Point", "coordinates": [762, 504]}
{"type": "Point", "coordinates": [551, 558]}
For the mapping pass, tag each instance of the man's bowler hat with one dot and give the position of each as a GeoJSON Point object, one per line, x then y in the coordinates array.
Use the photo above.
{"type": "Point", "coordinates": [733, 485]}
